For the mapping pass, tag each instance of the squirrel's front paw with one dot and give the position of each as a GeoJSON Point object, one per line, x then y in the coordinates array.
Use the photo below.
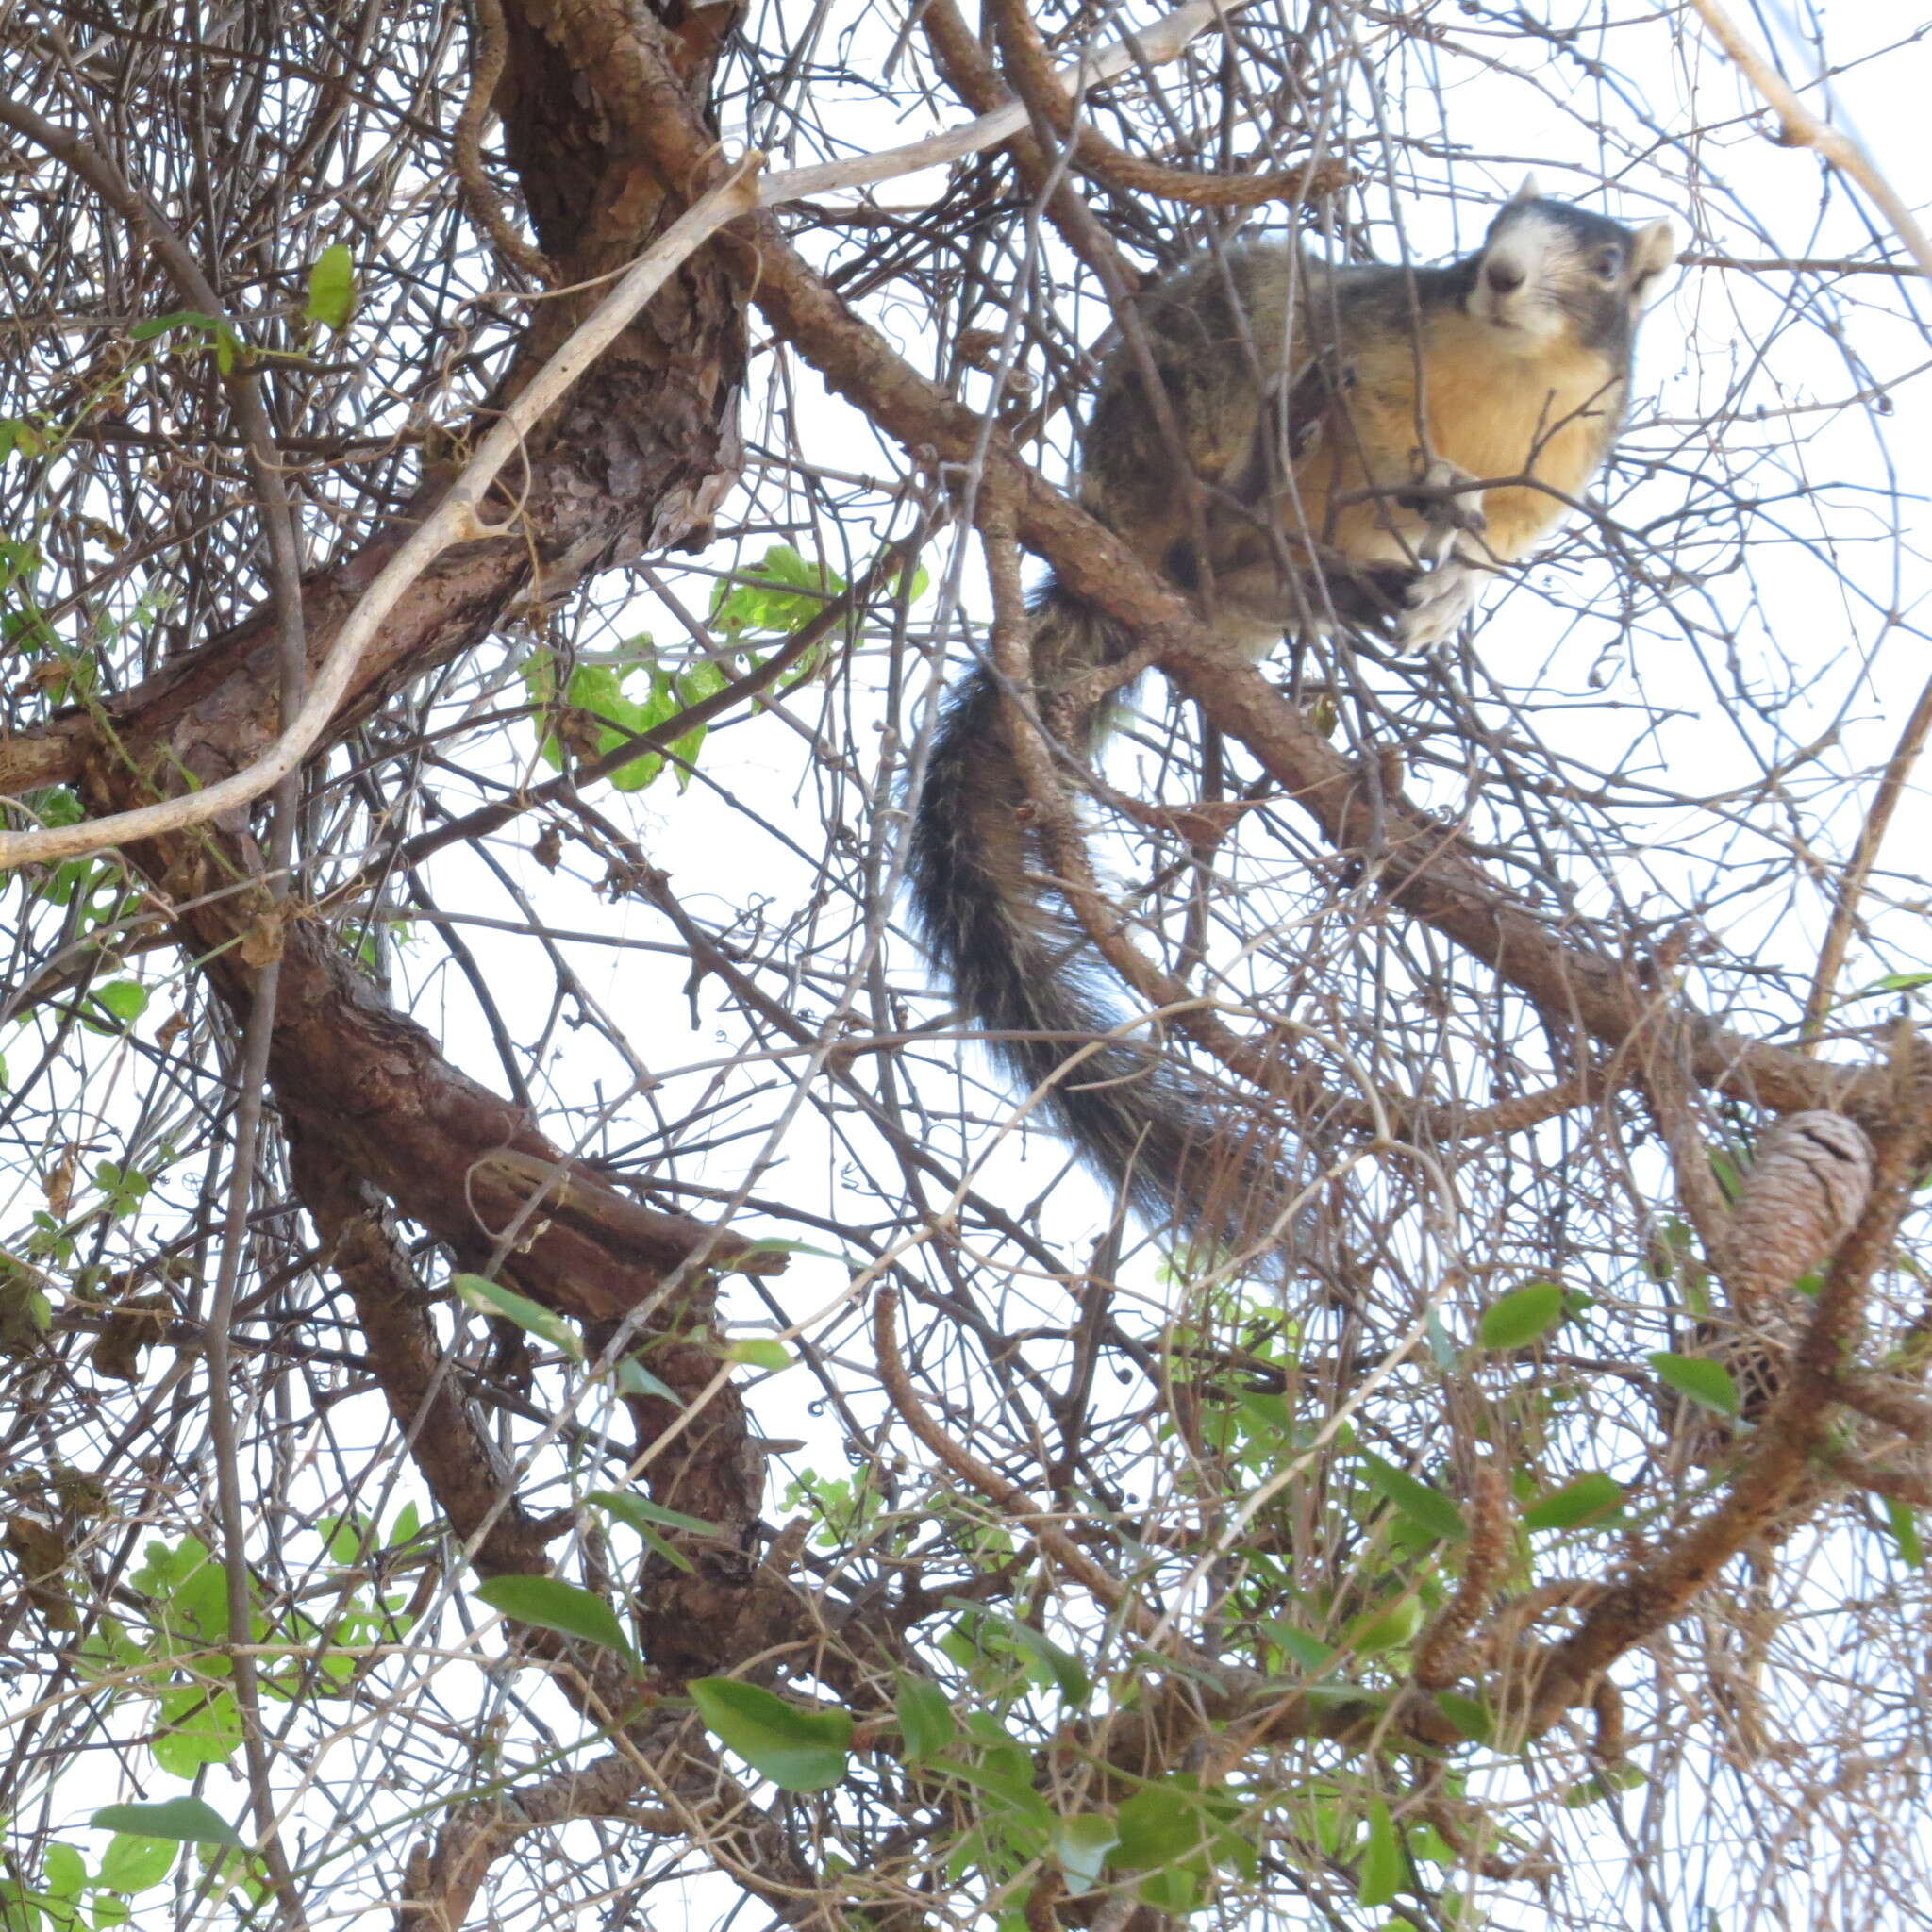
{"type": "Point", "coordinates": [1436, 603]}
{"type": "Point", "coordinates": [1448, 498]}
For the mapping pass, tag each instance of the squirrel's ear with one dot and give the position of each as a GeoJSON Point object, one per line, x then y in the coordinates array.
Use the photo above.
{"type": "Point", "coordinates": [1655, 250]}
{"type": "Point", "coordinates": [1528, 192]}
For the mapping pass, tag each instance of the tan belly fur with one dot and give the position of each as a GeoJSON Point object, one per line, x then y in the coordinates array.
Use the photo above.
{"type": "Point", "coordinates": [1553, 421]}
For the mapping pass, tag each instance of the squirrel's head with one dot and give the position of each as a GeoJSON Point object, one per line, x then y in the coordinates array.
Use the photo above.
{"type": "Point", "coordinates": [1550, 272]}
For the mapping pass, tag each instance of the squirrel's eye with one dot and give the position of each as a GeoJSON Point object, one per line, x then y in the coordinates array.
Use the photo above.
{"type": "Point", "coordinates": [1608, 263]}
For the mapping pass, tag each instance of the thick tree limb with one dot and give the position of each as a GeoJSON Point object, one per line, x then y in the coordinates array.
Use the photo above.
{"type": "Point", "coordinates": [465, 1474]}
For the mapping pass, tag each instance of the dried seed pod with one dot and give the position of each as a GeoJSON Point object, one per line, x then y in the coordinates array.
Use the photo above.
{"type": "Point", "coordinates": [1806, 1186]}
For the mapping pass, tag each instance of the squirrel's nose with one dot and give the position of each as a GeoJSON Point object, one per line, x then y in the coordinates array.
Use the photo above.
{"type": "Point", "coordinates": [1504, 276]}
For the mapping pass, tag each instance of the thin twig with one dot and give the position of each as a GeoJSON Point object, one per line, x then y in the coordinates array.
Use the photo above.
{"type": "Point", "coordinates": [1851, 881]}
{"type": "Point", "coordinates": [1801, 127]}
{"type": "Point", "coordinates": [1004, 1495]}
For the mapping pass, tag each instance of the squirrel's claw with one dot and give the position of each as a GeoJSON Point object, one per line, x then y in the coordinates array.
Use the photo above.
{"type": "Point", "coordinates": [1448, 499]}
{"type": "Point", "coordinates": [1451, 506]}
{"type": "Point", "coordinates": [1436, 603]}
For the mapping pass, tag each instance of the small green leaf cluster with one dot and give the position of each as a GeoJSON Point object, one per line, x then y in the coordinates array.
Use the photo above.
{"type": "Point", "coordinates": [68, 1897]}
{"type": "Point", "coordinates": [98, 890]}
{"type": "Point", "coordinates": [847, 1509]}
{"type": "Point", "coordinates": [595, 713]}
{"type": "Point", "coordinates": [174, 1659]}
{"type": "Point", "coordinates": [780, 595]}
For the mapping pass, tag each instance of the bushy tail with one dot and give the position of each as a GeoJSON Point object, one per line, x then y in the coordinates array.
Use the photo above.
{"type": "Point", "coordinates": [1021, 966]}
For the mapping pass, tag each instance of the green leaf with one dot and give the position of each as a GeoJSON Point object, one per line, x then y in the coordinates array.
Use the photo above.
{"type": "Point", "coordinates": [1905, 1532]}
{"type": "Point", "coordinates": [926, 1724]}
{"type": "Point", "coordinates": [641, 1515]}
{"type": "Point", "coordinates": [1081, 1844]}
{"type": "Point", "coordinates": [1384, 1870]}
{"type": "Point", "coordinates": [1424, 1505]}
{"type": "Point", "coordinates": [1898, 982]}
{"type": "Point", "coordinates": [615, 716]}
{"type": "Point", "coordinates": [64, 1870]}
{"type": "Point", "coordinates": [1518, 1318]}
{"type": "Point", "coordinates": [1594, 1791]}
{"type": "Point", "coordinates": [342, 1536]}
{"type": "Point", "coordinates": [1469, 1717]}
{"type": "Point", "coordinates": [1589, 1499]}
{"type": "Point", "coordinates": [110, 1910]}
{"type": "Point", "coordinates": [1175, 1893]}
{"type": "Point", "coordinates": [187, 1821]}
{"type": "Point", "coordinates": [1386, 1626]}
{"type": "Point", "coordinates": [488, 1298]}
{"type": "Point", "coordinates": [638, 1510]}
{"type": "Point", "coordinates": [775, 1245]}
{"type": "Point", "coordinates": [551, 1603]}
{"type": "Point", "coordinates": [1010, 1788]}
{"type": "Point", "coordinates": [1704, 1382]}
{"type": "Point", "coordinates": [332, 287]}
{"type": "Point", "coordinates": [774, 595]}
{"type": "Point", "coordinates": [1161, 1827]}
{"type": "Point", "coordinates": [798, 1750]}
{"type": "Point", "coordinates": [198, 1727]}
{"type": "Point", "coordinates": [758, 1352]}
{"type": "Point", "coordinates": [181, 318]}
{"type": "Point", "coordinates": [19, 437]}
{"type": "Point", "coordinates": [193, 1584]}
{"type": "Point", "coordinates": [670, 694]}
{"type": "Point", "coordinates": [1068, 1673]}
{"type": "Point", "coordinates": [125, 1188]}
{"type": "Point", "coordinates": [633, 1378]}
{"type": "Point", "coordinates": [1300, 1647]}
{"type": "Point", "coordinates": [126, 999]}
{"type": "Point", "coordinates": [914, 590]}
{"type": "Point", "coordinates": [133, 1861]}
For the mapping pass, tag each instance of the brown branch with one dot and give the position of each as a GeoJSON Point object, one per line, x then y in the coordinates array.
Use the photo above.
{"type": "Point", "coordinates": [454, 521]}
{"type": "Point", "coordinates": [1273, 1068]}
{"type": "Point", "coordinates": [1093, 154]}
{"type": "Point", "coordinates": [444, 1875]}
{"type": "Point", "coordinates": [1415, 861]}
{"type": "Point", "coordinates": [1895, 1484]}
{"type": "Point", "coordinates": [1442, 1652]}
{"type": "Point", "coordinates": [466, 1476]}
{"type": "Point", "coordinates": [1775, 1464]}
{"type": "Point", "coordinates": [1800, 127]}
{"type": "Point", "coordinates": [970, 1470]}
{"type": "Point", "coordinates": [491, 53]}
{"type": "Point", "coordinates": [1888, 1401]}
{"type": "Point", "coordinates": [1850, 886]}
{"type": "Point", "coordinates": [1661, 1058]}
{"type": "Point", "coordinates": [967, 70]}
{"type": "Point", "coordinates": [1452, 1822]}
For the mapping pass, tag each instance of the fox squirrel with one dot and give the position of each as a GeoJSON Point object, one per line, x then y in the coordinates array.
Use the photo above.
{"type": "Point", "coordinates": [1358, 443]}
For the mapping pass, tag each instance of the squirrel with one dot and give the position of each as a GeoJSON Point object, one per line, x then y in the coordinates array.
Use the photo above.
{"type": "Point", "coordinates": [1359, 443]}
